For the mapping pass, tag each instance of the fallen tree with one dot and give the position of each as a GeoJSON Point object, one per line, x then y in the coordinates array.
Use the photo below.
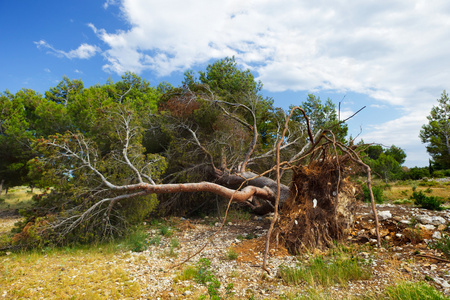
{"type": "Point", "coordinates": [236, 146]}
{"type": "Point", "coordinates": [318, 206]}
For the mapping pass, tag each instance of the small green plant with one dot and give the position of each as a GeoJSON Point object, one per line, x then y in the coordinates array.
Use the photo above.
{"type": "Point", "coordinates": [404, 193]}
{"type": "Point", "coordinates": [248, 236]}
{"type": "Point", "coordinates": [206, 277]}
{"type": "Point", "coordinates": [2, 200]}
{"type": "Point", "coordinates": [427, 202]}
{"type": "Point", "coordinates": [156, 240]}
{"type": "Point", "coordinates": [138, 240]}
{"type": "Point", "coordinates": [442, 245]}
{"type": "Point", "coordinates": [414, 188]}
{"type": "Point", "coordinates": [188, 273]}
{"type": "Point", "coordinates": [428, 190]}
{"type": "Point", "coordinates": [412, 291]}
{"type": "Point", "coordinates": [229, 290]}
{"type": "Point", "coordinates": [413, 222]}
{"type": "Point", "coordinates": [320, 271]}
{"type": "Point", "coordinates": [232, 254]}
{"type": "Point", "coordinates": [378, 194]}
{"type": "Point", "coordinates": [165, 231]}
{"type": "Point", "coordinates": [174, 243]}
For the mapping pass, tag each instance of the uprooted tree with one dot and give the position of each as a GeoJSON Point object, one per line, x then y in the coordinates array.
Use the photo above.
{"type": "Point", "coordinates": [232, 144]}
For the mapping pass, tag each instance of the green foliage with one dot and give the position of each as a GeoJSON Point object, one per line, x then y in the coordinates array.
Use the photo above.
{"type": "Point", "coordinates": [188, 273]}
{"type": "Point", "coordinates": [412, 291]}
{"type": "Point", "coordinates": [439, 174]}
{"type": "Point", "coordinates": [378, 194]}
{"type": "Point", "coordinates": [232, 254]}
{"type": "Point", "coordinates": [427, 202]}
{"type": "Point", "coordinates": [402, 201]}
{"type": "Point", "coordinates": [416, 173]}
{"type": "Point", "coordinates": [206, 277]}
{"type": "Point", "coordinates": [77, 186]}
{"type": "Point", "coordinates": [225, 78]}
{"type": "Point", "coordinates": [442, 245]}
{"type": "Point", "coordinates": [138, 240]}
{"type": "Point", "coordinates": [326, 272]}
{"type": "Point", "coordinates": [156, 240]}
{"type": "Point", "coordinates": [321, 116]}
{"type": "Point", "coordinates": [248, 236]}
{"type": "Point", "coordinates": [436, 133]}
{"type": "Point", "coordinates": [386, 163]}
{"type": "Point", "coordinates": [165, 230]}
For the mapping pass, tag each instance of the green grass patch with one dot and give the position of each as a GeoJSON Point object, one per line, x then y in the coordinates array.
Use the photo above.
{"type": "Point", "coordinates": [402, 201]}
{"type": "Point", "coordinates": [231, 254]}
{"type": "Point", "coordinates": [322, 271]}
{"type": "Point", "coordinates": [188, 273]}
{"type": "Point", "coordinates": [412, 291]}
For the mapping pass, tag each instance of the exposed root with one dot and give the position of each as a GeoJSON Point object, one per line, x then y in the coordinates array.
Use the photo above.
{"type": "Point", "coordinates": [322, 209]}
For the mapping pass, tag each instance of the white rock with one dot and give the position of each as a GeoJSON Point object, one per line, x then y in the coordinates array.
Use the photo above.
{"type": "Point", "coordinates": [427, 227]}
{"type": "Point", "coordinates": [437, 235]}
{"type": "Point", "coordinates": [424, 219]}
{"type": "Point", "coordinates": [437, 220]}
{"type": "Point", "coordinates": [384, 215]}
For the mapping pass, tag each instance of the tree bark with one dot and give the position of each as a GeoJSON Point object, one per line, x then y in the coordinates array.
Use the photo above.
{"type": "Point", "coordinates": [239, 196]}
{"type": "Point", "coordinates": [253, 179]}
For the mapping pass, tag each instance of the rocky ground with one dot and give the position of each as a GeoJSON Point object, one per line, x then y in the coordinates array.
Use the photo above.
{"type": "Point", "coordinates": [236, 254]}
{"type": "Point", "coordinates": [404, 255]}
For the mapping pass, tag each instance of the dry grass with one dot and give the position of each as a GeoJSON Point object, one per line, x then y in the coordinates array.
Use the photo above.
{"type": "Point", "coordinates": [405, 191]}
{"type": "Point", "coordinates": [90, 273]}
{"type": "Point", "coordinates": [17, 198]}
{"type": "Point", "coordinates": [63, 274]}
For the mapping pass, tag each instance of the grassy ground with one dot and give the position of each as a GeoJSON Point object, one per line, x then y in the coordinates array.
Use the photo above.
{"type": "Point", "coordinates": [404, 189]}
{"type": "Point", "coordinates": [98, 272]}
{"type": "Point", "coordinates": [17, 198]}
{"type": "Point", "coordinates": [93, 273]}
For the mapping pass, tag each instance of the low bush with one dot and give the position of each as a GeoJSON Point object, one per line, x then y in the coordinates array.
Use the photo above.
{"type": "Point", "coordinates": [442, 245]}
{"type": "Point", "coordinates": [378, 194]}
{"type": "Point", "coordinates": [427, 202]}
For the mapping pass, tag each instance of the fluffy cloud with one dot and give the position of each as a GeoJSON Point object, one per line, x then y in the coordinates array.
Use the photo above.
{"type": "Point", "coordinates": [396, 52]}
{"type": "Point", "coordinates": [84, 51]}
{"type": "Point", "coordinates": [369, 47]}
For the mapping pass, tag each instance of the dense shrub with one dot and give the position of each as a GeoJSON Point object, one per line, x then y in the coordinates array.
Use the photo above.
{"type": "Point", "coordinates": [378, 194]}
{"type": "Point", "coordinates": [427, 202]}
{"type": "Point", "coordinates": [416, 173]}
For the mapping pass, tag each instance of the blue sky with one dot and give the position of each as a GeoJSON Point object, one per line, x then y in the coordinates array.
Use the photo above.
{"type": "Point", "coordinates": [391, 56]}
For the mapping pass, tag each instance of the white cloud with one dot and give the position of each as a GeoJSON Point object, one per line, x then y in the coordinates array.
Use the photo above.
{"type": "Point", "coordinates": [84, 51]}
{"type": "Point", "coordinates": [78, 71]}
{"type": "Point", "coordinates": [108, 3]}
{"type": "Point", "coordinates": [397, 52]}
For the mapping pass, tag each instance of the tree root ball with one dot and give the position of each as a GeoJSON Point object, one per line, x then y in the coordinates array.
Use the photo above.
{"type": "Point", "coordinates": [321, 207]}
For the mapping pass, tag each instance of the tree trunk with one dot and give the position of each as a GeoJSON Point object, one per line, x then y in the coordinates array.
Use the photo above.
{"type": "Point", "coordinates": [1, 186]}
{"type": "Point", "coordinates": [259, 207]}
